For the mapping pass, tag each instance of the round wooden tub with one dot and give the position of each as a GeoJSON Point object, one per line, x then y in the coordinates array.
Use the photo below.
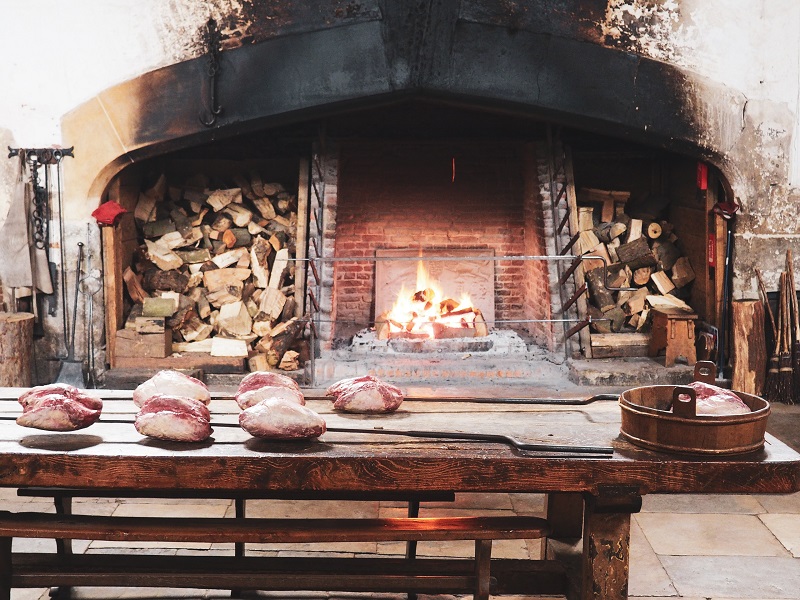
{"type": "Point", "coordinates": [648, 421]}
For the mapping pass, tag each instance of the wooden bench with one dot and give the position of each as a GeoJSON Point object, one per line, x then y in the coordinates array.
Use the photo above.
{"type": "Point", "coordinates": [374, 575]}
{"type": "Point", "coordinates": [62, 499]}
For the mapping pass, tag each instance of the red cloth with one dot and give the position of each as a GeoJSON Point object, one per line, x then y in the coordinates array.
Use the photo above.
{"type": "Point", "coordinates": [108, 213]}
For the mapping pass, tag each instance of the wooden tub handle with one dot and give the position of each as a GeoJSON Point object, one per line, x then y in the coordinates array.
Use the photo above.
{"type": "Point", "coordinates": [684, 408]}
{"type": "Point", "coordinates": [705, 371]}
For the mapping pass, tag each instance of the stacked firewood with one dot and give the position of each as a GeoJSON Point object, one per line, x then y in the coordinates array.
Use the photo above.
{"type": "Point", "coordinates": [215, 270]}
{"type": "Point", "coordinates": [638, 253]}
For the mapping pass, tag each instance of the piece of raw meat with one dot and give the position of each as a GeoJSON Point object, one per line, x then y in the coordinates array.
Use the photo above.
{"type": "Point", "coordinates": [713, 400]}
{"type": "Point", "coordinates": [253, 397]}
{"type": "Point", "coordinates": [64, 389]}
{"type": "Point", "coordinates": [58, 407]}
{"type": "Point", "coordinates": [365, 394]}
{"type": "Point", "coordinates": [258, 379]}
{"type": "Point", "coordinates": [281, 419]}
{"type": "Point", "coordinates": [174, 418]}
{"type": "Point", "coordinates": [171, 383]}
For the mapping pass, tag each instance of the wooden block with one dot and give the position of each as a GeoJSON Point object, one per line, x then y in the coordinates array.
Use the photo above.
{"type": "Point", "coordinates": [613, 345]}
{"type": "Point", "coordinates": [642, 276]}
{"type": "Point", "coordinates": [221, 346]}
{"type": "Point", "coordinates": [197, 256]}
{"type": "Point", "coordinates": [195, 330]}
{"type": "Point", "coordinates": [189, 360]}
{"type": "Point", "coordinates": [607, 213]}
{"type": "Point", "coordinates": [654, 231]}
{"type": "Point", "coordinates": [146, 345]}
{"type": "Point", "coordinates": [662, 282]}
{"type": "Point", "coordinates": [290, 361]}
{"type": "Point", "coordinates": [636, 254]}
{"type": "Point", "coordinates": [264, 206]}
{"type": "Point", "coordinates": [159, 307]}
{"type": "Point", "coordinates": [150, 325]}
{"type": "Point", "coordinates": [666, 254]}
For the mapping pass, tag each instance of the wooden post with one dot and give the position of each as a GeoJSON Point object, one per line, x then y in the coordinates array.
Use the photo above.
{"type": "Point", "coordinates": [301, 251]}
{"type": "Point", "coordinates": [16, 339]}
{"type": "Point", "coordinates": [749, 347]}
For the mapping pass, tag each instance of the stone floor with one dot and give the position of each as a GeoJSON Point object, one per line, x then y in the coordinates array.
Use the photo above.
{"type": "Point", "coordinates": [692, 547]}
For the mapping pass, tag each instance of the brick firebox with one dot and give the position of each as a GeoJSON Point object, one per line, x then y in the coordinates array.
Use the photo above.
{"type": "Point", "coordinates": [450, 195]}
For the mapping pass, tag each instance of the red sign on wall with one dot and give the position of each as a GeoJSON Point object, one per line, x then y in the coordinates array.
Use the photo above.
{"type": "Point", "coordinates": [712, 250]}
{"type": "Point", "coordinates": [702, 176]}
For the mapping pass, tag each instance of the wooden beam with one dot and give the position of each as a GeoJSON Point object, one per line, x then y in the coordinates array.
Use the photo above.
{"type": "Point", "coordinates": [301, 245]}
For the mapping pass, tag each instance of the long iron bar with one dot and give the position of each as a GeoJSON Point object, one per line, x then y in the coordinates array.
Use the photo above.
{"type": "Point", "coordinates": [582, 257]}
{"type": "Point", "coordinates": [579, 451]}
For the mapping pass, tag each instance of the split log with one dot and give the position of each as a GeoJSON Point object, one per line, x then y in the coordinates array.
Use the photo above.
{"type": "Point", "coordinates": [259, 260]}
{"type": "Point", "coordinates": [199, 255]}
{"type": "Point", "coordinates": [636, 254]}
{"type": "Point", "coordinates": [634, 230]}
{"type": "Point", "coordinates": [289, 361]}
{"type": "Point", "coordinates": [603, 299]}
{"type": "Point", "coordinates": [635, 303]}
{"type": "Point", "coordinates": [682, 273]}
{"type": "Point", "coordinates": [158, 280]}
{"type": "Point", "coordinates": [232, 257]}
{"type": "Point", "coordinates": [585, 218]}
{"type": "Point", "coordinates": [599, 250]}
{"type": "Point", "coordinates": [133, 285]}
{"type": "Point", "coordinates": [221, 346]}
{"type": "Point", "coordinates": [283, 338]}
{"type": "Point", "coordinates": [265, 208]}
{"type": "Point", "coordinates": [150, 325]}
{"type": "Point", "coordinates": [281, 263]}
{"type": "Point", "coordinates": [642, 276]}
{"type": "Point", "coordinates": [258, 362]}
{"type": "Point", "coordinates": [586, 241]}
{"type": "Point", "coordinates": [219, 199]}
{"type": "Point", "coordinates": [164, 258]}
{"type": "Point", "coordinates": [234, 320]}
{"type": "Point", "coordinates": [662, 281]}
{"type": "Point", "coordinates": [654, 231]}
{"type": "Point", "coordinates": [157, 229]}
{"type": "Point", "coordinates": [666, 254]}
{"type": "Point", "coordinates": [195, 330]}
{"type": "Point", "coordinates": [159, 307]}
{"type": "Point", "coordinates": [668, 301]}
{"type": "Point", "coordinates": [16, 344]}
{"type": "Point", "coordinates": [217, 278]}
{"type": "Point", "coordinates": [222, 222]}
{"type": "Point", "coordinates": [236, 237]}
{"type": "Point", "coordinates": [749, 347]}
{"type": "Point", "coordinates": [240, 215]}
{"type": "Point", "coordinates": [145, 210]}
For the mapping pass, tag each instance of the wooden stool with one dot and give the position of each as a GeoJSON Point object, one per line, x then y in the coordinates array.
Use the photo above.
{"type": "Point", "coordinates": [673, 329]}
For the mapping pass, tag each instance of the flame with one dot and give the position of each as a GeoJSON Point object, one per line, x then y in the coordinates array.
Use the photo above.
{"type": "Point", "coordinates": [417, 312]}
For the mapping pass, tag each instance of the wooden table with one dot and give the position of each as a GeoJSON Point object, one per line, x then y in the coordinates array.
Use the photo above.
{"type": "Point", "coordinates": [589, 497]}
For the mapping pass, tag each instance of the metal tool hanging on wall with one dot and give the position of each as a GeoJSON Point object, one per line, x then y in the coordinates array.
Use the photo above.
{"type": "Point", "coordinates": [211, 40]}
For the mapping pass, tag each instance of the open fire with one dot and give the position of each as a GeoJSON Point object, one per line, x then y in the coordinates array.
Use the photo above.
{"type": "Point", "coordinates": [429, 313]}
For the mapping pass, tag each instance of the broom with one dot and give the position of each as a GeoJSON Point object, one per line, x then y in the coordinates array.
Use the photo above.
{"type": "Point", "coordinates": [785, 379]}
{"type": "Point", "coordinates": [771, 383]}
{"type": "Point", "coordinates": [796, 321]}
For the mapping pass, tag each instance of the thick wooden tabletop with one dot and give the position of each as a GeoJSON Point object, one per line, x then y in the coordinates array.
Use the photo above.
{"type": "Point", "coordinates": [110, 456]}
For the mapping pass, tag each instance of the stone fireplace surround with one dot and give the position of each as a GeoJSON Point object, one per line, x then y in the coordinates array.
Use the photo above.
{"type": "Point", "coordinates": [355, 65]}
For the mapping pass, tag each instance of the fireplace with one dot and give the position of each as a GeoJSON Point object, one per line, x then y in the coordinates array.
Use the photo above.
{"type": "Point", "coordinates": [438, 148]}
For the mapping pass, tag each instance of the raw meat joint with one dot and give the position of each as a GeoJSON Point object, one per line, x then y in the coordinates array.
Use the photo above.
{"type": "Point", "coordinates": [253, 397]}
{"type": "Point", "coordinates": [365, 394]}
{"type": "Point", "coordinates": [58, 407]}
{"type": "Point", "coordinates": [281, 419]}
{"type": "Point", "coordinates": [713, 400]}
{"type": "Point", "coordinates": [174, 418]}
{"type": "Point", "coordinates": [259, 379]}
{"type": "Point", "coordinates": [172, 383]}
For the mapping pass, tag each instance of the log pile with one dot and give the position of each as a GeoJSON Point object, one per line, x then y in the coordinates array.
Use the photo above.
{"type": "Point", "coordinates": [215, 272]}
{"type": "Point", "coordinates": [638, 253]}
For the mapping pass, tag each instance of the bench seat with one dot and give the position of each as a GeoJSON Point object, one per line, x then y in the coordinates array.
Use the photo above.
{"type": "Point", "coordinates": [481, 529]}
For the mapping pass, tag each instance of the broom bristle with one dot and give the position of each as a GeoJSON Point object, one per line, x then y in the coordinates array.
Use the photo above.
{"type": "Point", "coordinates": [771, 393]}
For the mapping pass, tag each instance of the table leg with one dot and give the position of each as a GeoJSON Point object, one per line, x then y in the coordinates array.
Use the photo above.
{"type": "Point", "coordinates": [5, 568]}
{"type": "Point", "coordinates": [606, 543]}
